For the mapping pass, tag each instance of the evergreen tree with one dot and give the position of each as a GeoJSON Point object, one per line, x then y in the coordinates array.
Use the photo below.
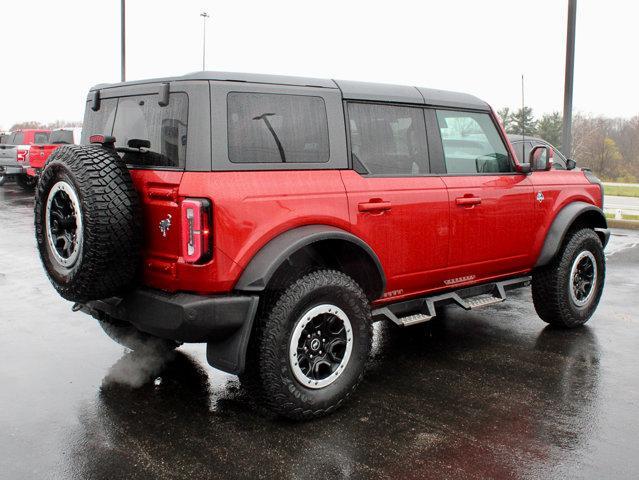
{"type": "Point", "coordinates": [523, 121]}
{"type": "Point", "coordinates": [549, 128]}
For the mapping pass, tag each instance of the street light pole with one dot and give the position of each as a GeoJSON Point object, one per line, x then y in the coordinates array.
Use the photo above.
{"type": "Point", "coordinates": [122, 43]}
{"type": "Point", "coordinates": [204, 16]}
{"type": "Point", "coordinates": [566, 136]}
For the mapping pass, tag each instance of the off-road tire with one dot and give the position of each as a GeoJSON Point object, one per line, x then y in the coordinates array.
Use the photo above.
{"type": "Point", "coordinates": [110, 250]}
{"type": "Point", "coordinates": [27, 182]}
{"type": "Point", "coordinates": [3, 180]}
{"type": "Point", "coordinates": [268, 372]}
{"type": "Point", "coordinates": [130, 337]}
{"type": "Point", "coordinates": [551, 283]}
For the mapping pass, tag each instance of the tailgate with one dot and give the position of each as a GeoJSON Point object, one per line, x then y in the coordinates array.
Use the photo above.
{"type": "Point", "coordinates": [8, 155]}
{"type": "Point", "coordinates": [39, 154]}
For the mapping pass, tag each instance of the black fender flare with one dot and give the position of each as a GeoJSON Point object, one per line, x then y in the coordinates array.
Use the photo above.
{"type": "Point", "coordinates": [271, 256]}
{"type": "Point", "coordinates": [562, 223]}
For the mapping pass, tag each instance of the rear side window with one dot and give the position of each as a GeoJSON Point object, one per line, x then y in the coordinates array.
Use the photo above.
{"type": "Point", "coordinates": [141, 118]}
{"type": "Point", "coordinates": [388, 139]}
{"type": "Point", "coordinates": [61, 137]}
{"type": "Point", "coordinates": [276, 128]}
{"type": "Point", "coordinates": [472, 143]}
{"type": "Point", "coordinates": [40, 138]}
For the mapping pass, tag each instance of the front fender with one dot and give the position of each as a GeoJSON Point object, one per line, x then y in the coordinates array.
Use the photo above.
{"type": "Point", "coordinates": [564, 220]}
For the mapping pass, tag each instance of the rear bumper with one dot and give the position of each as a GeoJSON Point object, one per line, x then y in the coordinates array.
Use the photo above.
{"type": "Point", "coordinates": [223, 322]}
{"type": "Point", "coordinates": [12, 169]}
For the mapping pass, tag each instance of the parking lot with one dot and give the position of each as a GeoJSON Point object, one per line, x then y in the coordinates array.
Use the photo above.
{"type": "Point", "coordinates": [488, 394]}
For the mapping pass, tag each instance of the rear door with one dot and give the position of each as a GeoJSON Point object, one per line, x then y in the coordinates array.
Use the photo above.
{"type": "Point", "coordinates": [395, 204]}
{"type": "Point", "coordinates": [491, 206]}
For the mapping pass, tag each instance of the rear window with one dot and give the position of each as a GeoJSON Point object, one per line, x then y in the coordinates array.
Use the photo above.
{"type": "Point", "coordinates": [61, 137]}
{"type": "Point", "coordinates": [141, 118]}
{"type": "Point", "coordinates": [276, 128]}
{"type": "Point", "coordinates": [41, 138]}
{"type": "Point", "coordinates": [18, 138]}
{"type": "Point", "coordinates": [100, 122]}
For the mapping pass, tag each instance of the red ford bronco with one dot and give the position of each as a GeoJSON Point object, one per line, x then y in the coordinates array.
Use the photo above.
{"type": "Point", "coordinates": [275, 218]}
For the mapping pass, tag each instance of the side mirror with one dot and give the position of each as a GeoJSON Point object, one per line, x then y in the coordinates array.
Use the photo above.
{"type": "Point", "coordinates": [523, 168]}
{"type": "Point", "coordinates": [541, 158]}
{"type": "Point", "coordinates": [570, 164]}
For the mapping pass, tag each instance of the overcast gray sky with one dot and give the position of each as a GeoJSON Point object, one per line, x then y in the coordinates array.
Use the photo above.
{"type": "Point", "coordinates": [55, 50]}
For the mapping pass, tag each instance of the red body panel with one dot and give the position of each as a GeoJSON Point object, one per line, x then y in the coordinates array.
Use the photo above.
{"type": "Point", "coordinates": [411, 237]}
{"type": "Point", "coordinates": [249, 209]}
{"type": "Point", "coordinates": [559, 188]}
{"type": "Point", "coordinates": [492, 235]}
{"type": "Point", "coordinates": [425, 240]}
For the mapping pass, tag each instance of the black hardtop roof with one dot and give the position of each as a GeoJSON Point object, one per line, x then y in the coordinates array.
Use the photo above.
{"type": "Point", "coordinates": [350, 90]}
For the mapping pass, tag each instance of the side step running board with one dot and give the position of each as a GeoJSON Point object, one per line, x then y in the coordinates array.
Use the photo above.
{"type": "Point", "coordinates": [419, 310]}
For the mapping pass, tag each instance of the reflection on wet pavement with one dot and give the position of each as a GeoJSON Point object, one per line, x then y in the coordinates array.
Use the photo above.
{"type": "Point", "coordinates": [486, 394]}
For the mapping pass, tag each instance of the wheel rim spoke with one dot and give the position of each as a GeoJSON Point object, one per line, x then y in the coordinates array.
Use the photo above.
{"type": "Point", "coordinates": [583, 278]}
{"type": "Point", "coordinates": [320, 346]}
{"type": "Point", "coordinates": [63, 224]}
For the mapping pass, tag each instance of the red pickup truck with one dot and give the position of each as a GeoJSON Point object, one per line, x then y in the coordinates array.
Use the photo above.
{"type": "Point", "coordinates": [14, 155]}
{"type": "Point", "coordinates": [39, 153]}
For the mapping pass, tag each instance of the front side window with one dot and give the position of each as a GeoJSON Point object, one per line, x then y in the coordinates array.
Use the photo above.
{"type": "Point", "coordinates": [472, 143]}
{"type": "Point", "coordinates": [388, 139]}
{"type": "Point", "coordinates": [141, 119]}
{"type": "Point", "coordinates": [275, 128]}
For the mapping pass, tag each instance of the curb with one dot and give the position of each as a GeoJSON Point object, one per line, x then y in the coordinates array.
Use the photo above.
{"type": "Point", "coordinates": [628, 224]}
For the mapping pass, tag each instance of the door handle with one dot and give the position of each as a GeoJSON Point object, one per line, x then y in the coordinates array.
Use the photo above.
{"type": "Point", "coordinates": [376, 206]}
{"type": "Point", "coordinates": [468, 201]}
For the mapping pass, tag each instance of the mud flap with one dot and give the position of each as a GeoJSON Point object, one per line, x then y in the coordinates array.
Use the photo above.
{"type": "Point", "coordinates": [229, 353]}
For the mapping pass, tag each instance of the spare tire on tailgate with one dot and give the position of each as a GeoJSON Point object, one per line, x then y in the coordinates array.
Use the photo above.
{"type": "Point", "coordinates": [87, 223]}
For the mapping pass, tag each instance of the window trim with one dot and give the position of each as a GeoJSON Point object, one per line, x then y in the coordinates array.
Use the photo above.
{"type": "Point", "coordinates": [500, 133]}
{"type": "Point", "coordinates": [260, 164]}
{"type": "Point", "coordinates": [349, 149]}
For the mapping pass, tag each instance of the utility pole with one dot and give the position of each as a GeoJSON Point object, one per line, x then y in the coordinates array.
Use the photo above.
{"type": "Point", "coordinates": [122, 43]}
{"type": "Point", "coordinates": [566, 135]}
{"type": "Point", "coordinates": [204, 16]}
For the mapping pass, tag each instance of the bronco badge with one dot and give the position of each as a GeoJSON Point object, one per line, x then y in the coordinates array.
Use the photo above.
{"type": "Point", "coordinates": [165, 225]}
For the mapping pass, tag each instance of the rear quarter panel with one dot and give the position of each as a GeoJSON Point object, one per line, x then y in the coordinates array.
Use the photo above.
{"type": "Point", "coordinates": [249, 209]}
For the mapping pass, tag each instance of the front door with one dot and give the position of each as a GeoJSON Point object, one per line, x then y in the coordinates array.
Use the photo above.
{"type": "Point", "coordinates": [394, 204]}
{"type": "Point", "coordinates": [491, 206]}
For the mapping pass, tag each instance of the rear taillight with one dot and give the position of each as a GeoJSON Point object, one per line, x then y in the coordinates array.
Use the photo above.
{"type": "Point", "coordinates": [196, 230]}
{"type": "Point", "coordinates": [22, 155]}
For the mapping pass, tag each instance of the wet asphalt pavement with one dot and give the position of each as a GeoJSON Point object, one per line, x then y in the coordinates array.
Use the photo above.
{"type": "Point", "coordinates": [486, 394]}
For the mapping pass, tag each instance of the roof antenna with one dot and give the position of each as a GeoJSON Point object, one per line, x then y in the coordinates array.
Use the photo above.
{"type": "Point", "coordinates": [523, 114]}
